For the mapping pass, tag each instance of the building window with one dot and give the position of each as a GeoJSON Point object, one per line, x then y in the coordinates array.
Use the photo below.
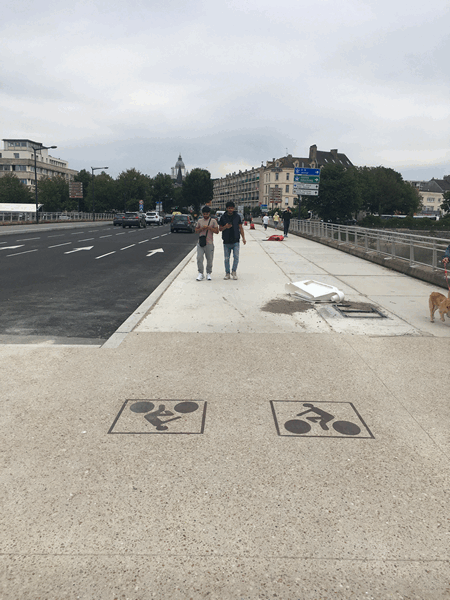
{"type": "Point", "coordinates": [16, 155]}
{"type": "Point", "coordinates": [24, 181]}
{"type": "Point", "coordinates": [430, 200]}
{"type": "Point", "coordinates": [287, 189]}
{"type": "Point", "coordinates": [21, 168]}
{"type": "Point", "coordinates": [287, 176]}
{"type": "Point", "coordinates": [276, 176]}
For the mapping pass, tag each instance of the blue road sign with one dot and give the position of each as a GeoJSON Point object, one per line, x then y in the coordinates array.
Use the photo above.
{"type": "Point", "coordinates": [298, 171]}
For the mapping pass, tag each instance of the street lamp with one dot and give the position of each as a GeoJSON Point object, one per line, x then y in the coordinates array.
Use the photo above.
{"type": "Point", "coordinates": [40, 147]}
{"type": "Point", "coordinates": [93, 197]}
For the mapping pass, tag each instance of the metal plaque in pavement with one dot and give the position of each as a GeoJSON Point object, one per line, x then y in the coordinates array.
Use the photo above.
{"type": "Point", "coordinates": [160, 417]}
{"type": "Point", "coordinates": [300, 171]}
{"type": "Point", "coordinates": [296, 418]}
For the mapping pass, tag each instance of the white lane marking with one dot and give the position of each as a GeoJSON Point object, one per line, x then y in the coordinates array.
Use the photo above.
{"type": "Point", "coordinates": [92, 230]}
{"type": "Point", "coordinates": [28, 239]}
{"type": "Point", "coordinates": [85, 240]}
{"type": "Point", "coordinates": [12, 247]}
{"type": "Point", "coordinates": [59, 235]}
{"type": "Point", "coordinates": [152, 252]}
{"type": "Point", "coordinates": [103, 236]}
{"type": "Point", "coordinates": [26, 252]}
{"type": "Point", "coordinates": [155, 238]}
{"type": "Point", "coordinates": [78, 233]}
{"type": "Point", "coordinates": [126, 247]}
{"type": "Point", "coordinates": [78, 249]}
{"type": "Point", "coordinates": [143, 241]}
{"type": "Point", "coordinates": [103, 255]}
{"type": "Point", "coordinates": [58, 245]}
{"type": "Point", "coordinates": [123, 233]}
{"type": "Point", "coordinates": [3, 242]}
{"type": "Point", "coordinates": [164, 234]}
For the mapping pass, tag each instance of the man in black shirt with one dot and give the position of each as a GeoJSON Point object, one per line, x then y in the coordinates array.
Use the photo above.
{"type": "Point", "coordinates": [230, 225]}
{"type": "Point", "coordinates": [287, 215]}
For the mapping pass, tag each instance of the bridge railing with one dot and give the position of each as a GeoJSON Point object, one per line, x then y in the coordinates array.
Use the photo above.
{"type": "Point", "coordinates": [415, 249]}
{"type": "Point", "coordinates": [46, 217]}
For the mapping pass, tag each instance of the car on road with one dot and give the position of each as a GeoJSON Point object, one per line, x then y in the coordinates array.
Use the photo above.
{"type": "Point", "coordinates": [64, 218]}
{"type": "Point", "coordinates": [134, 219]}
{"type": "Point", "coordinates": [118, 219]}
{"type": "Point", "coordinates": [182, 223]}
{"type": "Point", "coordinates": [153, 218]}
{"type": "Point", "coordinates": [167, 218]}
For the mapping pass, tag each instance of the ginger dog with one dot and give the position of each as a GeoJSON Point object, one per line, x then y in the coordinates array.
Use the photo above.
{"type": "Point", "coordinates": [439, 301]}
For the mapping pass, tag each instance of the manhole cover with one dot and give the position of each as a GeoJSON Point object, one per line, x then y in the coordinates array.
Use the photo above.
{"type": "Point", "coordinates": [359, 310]}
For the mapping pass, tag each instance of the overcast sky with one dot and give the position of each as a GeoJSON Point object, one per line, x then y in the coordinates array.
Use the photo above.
{"type": "Point", "coordinates": [229, 84]}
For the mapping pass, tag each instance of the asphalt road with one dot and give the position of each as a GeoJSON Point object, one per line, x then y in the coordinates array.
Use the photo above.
{"type": "Point", "coordinates": [77, 285]}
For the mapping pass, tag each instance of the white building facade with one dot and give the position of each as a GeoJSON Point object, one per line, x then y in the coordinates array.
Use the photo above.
{"type": "Point", "coordinates": [17, 158]}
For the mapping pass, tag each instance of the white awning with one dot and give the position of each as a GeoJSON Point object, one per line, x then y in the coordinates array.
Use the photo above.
{"type": "Point", "coordinates": [13, 207]}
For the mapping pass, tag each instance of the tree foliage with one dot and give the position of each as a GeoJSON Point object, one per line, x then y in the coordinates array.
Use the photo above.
{"type": "Point", "coordinates": [12, 190]}
{"type": "Point", "coordinates": [132, 186]}
{"type": "Point", "coordinates": [197, 189]}
{"type": "Point", "coordinates": [384, 191]}
{"type": "Point", "coordinates": [101, 196]}
{"type": "Point", "coordinates": [339, 196]}
{"type": "Point", "coordinates": [54, 195]}
{"type": "Point", "coordinates": [162, 190]}
{"type": "Point", "coordinates": [446, 203]}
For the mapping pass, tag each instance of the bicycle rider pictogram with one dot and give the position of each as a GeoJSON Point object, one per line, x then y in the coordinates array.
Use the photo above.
{"type": "Point", "coordinates": [321, 418]}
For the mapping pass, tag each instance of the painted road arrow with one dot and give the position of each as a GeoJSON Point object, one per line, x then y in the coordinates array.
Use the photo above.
{"type": "Point", "coordinates": [11, 247]}
{"type": "Point", "coordinates": [78, 249]}
{"type": "Point", "coordinates": [152, 252]}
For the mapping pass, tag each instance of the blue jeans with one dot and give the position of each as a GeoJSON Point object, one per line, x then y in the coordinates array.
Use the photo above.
{"type": "Point", "coordinates": [227, 249]}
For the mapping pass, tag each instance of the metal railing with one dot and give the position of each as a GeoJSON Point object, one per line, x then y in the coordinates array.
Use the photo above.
{"type": "Point", "coordinates": [30, 217]}
{"type": "Point", "coordinates": [415, 249]}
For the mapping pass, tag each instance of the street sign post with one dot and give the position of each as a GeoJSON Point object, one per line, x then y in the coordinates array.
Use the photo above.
{"type": "Point", "coordinates": [306, 186]}
{"type": "Point", "coordinates": [307, 192]}
{"type": "Point", "coordinates": [306, 178]}
{"type": "Point", "coordinates": [298, 171]}
{"type": "Point", "coordinates": [75, 189]}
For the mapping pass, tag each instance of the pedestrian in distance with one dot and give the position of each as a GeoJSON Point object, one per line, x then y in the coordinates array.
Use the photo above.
{"type": "Point", "coordinates": [265, 221]}
{"type": "Point", "coordinates": [446, 256]}
{"type": "Point", "coordinates": [286, 216]}
{"type": "Point", "coordinates": [206, 228]}
{"type": "Point", "coordinates": [230, 224]}
{"type": "Point", "coordinates": [276, 219]}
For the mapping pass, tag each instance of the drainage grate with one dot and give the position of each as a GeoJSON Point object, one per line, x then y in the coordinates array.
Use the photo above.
{"type": "Point", "coordinates": [359, 310]}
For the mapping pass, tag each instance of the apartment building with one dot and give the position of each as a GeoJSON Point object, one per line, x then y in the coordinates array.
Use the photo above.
{"type": "Point", "coordinates": [242, 188]}
{"type": "Point", "coordinates": [432, 195]}
{"type": "Point", "coordinates": [17, 158]}
{"type": "Point", "coordinates": [271, 185]}
{"type": "Point", "coordinates": [277, 190]}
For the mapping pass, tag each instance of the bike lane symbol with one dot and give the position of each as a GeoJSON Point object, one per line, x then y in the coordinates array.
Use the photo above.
{"type": "Point", "coordinates": [318, 422]}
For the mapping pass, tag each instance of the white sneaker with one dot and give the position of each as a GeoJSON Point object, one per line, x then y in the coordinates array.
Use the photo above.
{"type": "Point", "coordinates": [208, 276]}
{"type": "Point", "coordinates": [200, 277]}
{"type": "Point", "coordinates": [227, 276]}
{"type": "Point", "coordinates": [234, 275]}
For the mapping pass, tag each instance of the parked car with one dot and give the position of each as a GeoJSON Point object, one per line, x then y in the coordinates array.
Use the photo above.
{"type": "Point", "coordinates": [134, 219]}
{"type": "Point", "coordinates": [118, 219]}
{"type": "Point", "coordinates": [64, 218]}
{"type": "Point", "coordinates": [182, 223]}
{"type": "Point", "coordinates": [153, 218]}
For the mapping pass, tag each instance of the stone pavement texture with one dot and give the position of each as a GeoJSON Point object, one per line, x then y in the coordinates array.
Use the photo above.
{"type": "Point", "coordinates": [175, 463]}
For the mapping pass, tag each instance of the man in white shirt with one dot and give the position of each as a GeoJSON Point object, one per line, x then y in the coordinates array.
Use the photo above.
{"type": "Point", "coordinates": [265, 221]}
{"type": "Point", "coordinates": [206, 228]}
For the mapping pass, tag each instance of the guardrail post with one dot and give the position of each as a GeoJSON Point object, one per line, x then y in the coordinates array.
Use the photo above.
{"type": "Point", "coordinates": [411, 252]}
{"type": "Point", "coordinates": [434, 260]}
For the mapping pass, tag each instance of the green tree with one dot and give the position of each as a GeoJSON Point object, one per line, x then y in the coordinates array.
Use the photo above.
{"type": "Point", "coordinates": [85, 177]}
{"type": "Point", "coordinates": [132, 186]}
{"type": "Point", "coordinates": [384, 191]}
{"type": "Point", "coordinates": [445, 204]}
{"type": "Point", "coordinates": [12, 190]}
{"type": "Point", "coordinates": [54, 195]}
{"type": "Point", "coordinates": [103, 187]}
{"type": "Point", "coordinates": [162, 190]}
{"type": "Point", "coordinates": [339, 196]}
{"type": "Point", "coordinates": [197, 189]}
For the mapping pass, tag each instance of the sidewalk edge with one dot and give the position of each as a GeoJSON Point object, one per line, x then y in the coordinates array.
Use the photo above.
{"type": "Point", "coordinates": [134, 319]}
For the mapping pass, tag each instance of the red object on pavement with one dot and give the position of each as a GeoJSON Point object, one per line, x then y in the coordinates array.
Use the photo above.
{"type": "Point", "coordinates": [245, 222]}
{"type": "Point", "coordinates": [252, 226]}
{"type": "Point", "coordinates": [276, 238]}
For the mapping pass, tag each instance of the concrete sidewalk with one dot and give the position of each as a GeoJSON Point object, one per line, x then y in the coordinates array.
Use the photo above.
{"type": "Point", "coordinates": [177, 465]}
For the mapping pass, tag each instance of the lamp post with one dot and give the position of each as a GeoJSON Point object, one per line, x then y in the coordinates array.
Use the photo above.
{"type": "Point", "coordinates": [93, 197]}
{"type": "Point", "coordinates": [40, 147]}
